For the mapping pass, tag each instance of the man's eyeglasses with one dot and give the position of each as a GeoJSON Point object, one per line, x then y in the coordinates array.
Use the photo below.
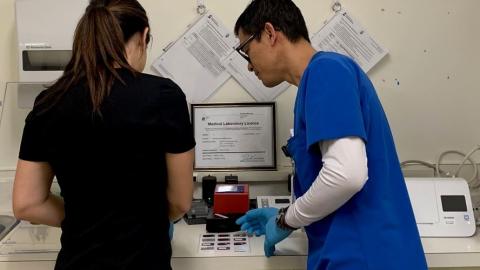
{"type": "Point", "coordinates": [240, 48]}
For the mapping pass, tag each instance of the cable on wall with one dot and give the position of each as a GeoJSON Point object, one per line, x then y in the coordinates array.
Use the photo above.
{"type": "Point", "coordinates": [468, 157]}
{"type": "Point", "coordinates": [423, 163]}
{"type": "Point", "coordinates": [473, 181]}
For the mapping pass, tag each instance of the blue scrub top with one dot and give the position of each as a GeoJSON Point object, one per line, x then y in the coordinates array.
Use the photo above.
{"type": "Point", "coordinates": [376, 228]}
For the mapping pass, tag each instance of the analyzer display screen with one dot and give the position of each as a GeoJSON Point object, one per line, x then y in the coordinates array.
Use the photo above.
{"type": "Point", "coordinates": [454, 203]}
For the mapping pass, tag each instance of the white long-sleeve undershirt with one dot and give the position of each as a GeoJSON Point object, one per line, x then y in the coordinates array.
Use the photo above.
{"type": "Point", "coordinates": [343, 174]}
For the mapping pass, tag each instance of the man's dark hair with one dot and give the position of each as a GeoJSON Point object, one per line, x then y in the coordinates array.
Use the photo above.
{"type": "Point", "coordinates": [284, 15]}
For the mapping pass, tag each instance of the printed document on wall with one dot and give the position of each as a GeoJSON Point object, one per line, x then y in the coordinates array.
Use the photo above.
{"type": "Point", "coordinates": [241, 136]}
{"type": "Point", "coordinates": [345, 35]}
{"type": "Point", "coordinates": [194, 60]}
{"type": "Point", "coordinates": [237, 66]}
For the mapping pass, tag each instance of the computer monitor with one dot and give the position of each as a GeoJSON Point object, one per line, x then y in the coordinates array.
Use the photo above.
{"type": "Point", "coordinates": [234, 136]}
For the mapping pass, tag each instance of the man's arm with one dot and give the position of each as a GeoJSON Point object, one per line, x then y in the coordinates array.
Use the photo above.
{"type": "Point", "coordinates": [343, 174]}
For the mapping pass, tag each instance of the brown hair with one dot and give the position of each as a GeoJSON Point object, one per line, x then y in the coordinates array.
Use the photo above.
{"type": "Point", "coordinates": [98, 48]}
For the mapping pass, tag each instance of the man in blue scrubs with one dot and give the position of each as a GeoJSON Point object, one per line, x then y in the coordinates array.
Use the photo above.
{"type": "Point", "coordinates": [351, 195]}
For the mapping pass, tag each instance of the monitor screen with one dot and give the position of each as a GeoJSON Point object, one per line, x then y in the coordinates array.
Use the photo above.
{"type": "Point", "coordinates": [234, 136]}
{"type": "Point", "coordinates": [453, 203]}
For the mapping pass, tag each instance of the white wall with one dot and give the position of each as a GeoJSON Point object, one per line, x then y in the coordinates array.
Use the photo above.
{"type": "Point", "coordinates": [8, 72]}
{"type": "Point", "coordinates": [428, 83]}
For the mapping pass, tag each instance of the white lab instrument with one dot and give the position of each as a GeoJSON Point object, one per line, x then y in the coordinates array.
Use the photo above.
{"type": "Point", "coordinates": [442, 206]}
{"type": "Point", "coordinates": [45, 30]}
{"type": "Point", "coordinates": [273, 201]}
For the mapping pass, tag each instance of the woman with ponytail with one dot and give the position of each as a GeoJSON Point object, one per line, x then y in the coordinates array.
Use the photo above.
{"type": "Point", "coordinates": [119, 142]}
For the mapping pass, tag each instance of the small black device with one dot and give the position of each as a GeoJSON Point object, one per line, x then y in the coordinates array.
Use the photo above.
{"type": "Point", "coordinates": [289, 182]}
{"type": "Point", "coordinates": [198, 212]}
{"type": "Point", "coordinates": [285, 151]}
{"type": "Point", "coordinates": [208, 188]}
{"type": "Point", "coordinates": [231, 179]}
{"type": "Point", "coordinates": [217, 223]}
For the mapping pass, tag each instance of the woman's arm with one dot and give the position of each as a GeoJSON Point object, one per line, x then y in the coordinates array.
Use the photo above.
{"type": "Point", "coordinates": [180, 183]}
{"type": "Point", "coordinates": [32, 200]}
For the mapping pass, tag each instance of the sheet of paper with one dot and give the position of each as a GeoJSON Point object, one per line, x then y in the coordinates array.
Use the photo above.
{"type": "Point", "coordinates": [237, 66]}
{"type": "Point", "coordinates": [345, 35]}
{"type": "Point", "coordinates": [194, 60]}
{"type": "Point", "coordinates": [234, 137]}
{"type": "Point", "coordinates": [223, 244]}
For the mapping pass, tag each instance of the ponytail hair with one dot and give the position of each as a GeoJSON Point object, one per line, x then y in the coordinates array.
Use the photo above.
{"type": "Point", "coordinates": [98, 49]}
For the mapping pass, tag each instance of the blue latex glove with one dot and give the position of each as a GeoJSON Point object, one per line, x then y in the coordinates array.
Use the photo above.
{"type": "Point", "coordinates": [262, 221]}
{"type": "Point", "coordinates": [170, 231]}
{"type": "Point", "coordinates": [273, 235]}
{"type": "Point", "coordinates": [254, 221]}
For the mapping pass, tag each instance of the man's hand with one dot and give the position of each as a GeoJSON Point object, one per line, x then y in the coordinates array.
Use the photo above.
{"type": "Point", "coordinates": [262, 221]}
